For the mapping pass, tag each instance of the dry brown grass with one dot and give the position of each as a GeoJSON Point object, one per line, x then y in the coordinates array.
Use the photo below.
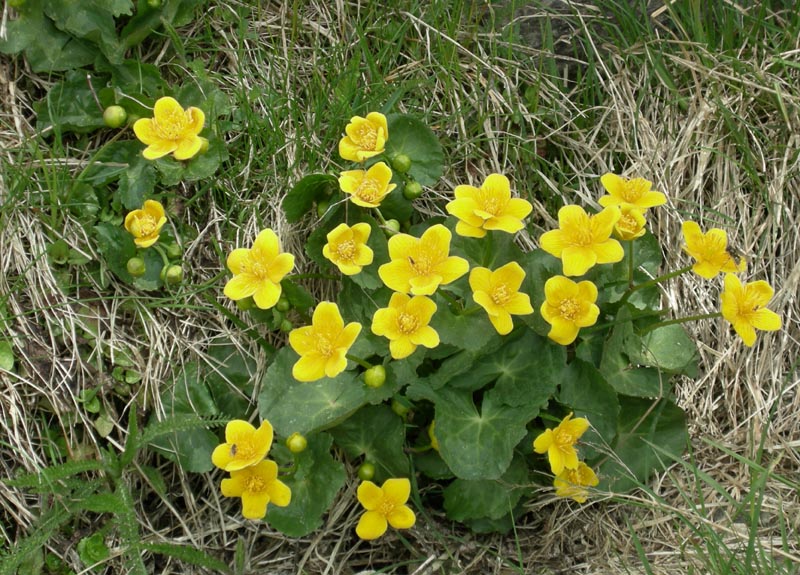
{"type": "Point", "coordinates": [743, 398]}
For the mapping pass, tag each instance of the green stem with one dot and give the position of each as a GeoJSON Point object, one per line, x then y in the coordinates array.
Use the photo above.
{"type": "Point", "coordinates": [631, 244]}
{"type": "Point", "coordinates": [634, 317]}
{"type": "Point", "coordinates": [162, 253]}
{"type": "Point", "coordinates": [470, 311]}
{"type": "Point", "coordinates": [653, 282]}
{"type": "Point", "coordinates": [359, 361]}
{"type": "Point", "coordinates": [455, 304]}
{"type": "Point", "coordinates": [677, 320]}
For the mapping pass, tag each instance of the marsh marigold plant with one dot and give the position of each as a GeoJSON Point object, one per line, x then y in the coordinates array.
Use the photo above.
{"type": "Point", "coordinates": [257, 485]}
{"type": "Point", "coordinates": [572, 483]}
{"type": "Point", "coordinates": [385, 505]}
{"type": "Point", "coordinates": [367, 188]}
{"type": "Point", "coordinates": [559, 443]}
{"type": "Point", "coordinates": [405, 324]}
{"type": "Point", "coordinates": [347, 248]}
{"type": "Point", "coordinates": [244, 445]}
{"type": "Point", "coordinates": [568, 306]}
{"type": "Point", "coordinates": [258, 271]}
{"type": "Point", "coordinates": [364, 137]}
{"type": "Point", "coordinates": [633, 192]}
{"type": "Point", "coordinates": [322, 346]}
{"type": "Point", "coordinates": [489, 207]}
{"type": "Point", "coordinates": [498, 293]}
{"type": "Point", "coordinates": [171, 130]}
{"type": "Point", "coordinates": [743, 306]}
{"type": "Point", "coordinates": [710, 251]}
{"type": "Point", "coordinates": [145, 224]}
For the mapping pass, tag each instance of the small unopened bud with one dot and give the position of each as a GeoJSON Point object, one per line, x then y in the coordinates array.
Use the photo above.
{"type": "Point", "coordinates": [366, 471]}
{"type": "Point", "coordinates": [375, 376]}
{"type": "Point", "coordinates": [401, 163]}
{"type": "Point", "coordinates": [115, 116]}
{"type": "Point", "coordinates": [412, 191]}
{"type": "Point", "coordinates": [392, 227]}
{"type": "Point", "coordinates": [174, 251]}
{"type": "Point", "coordinates": [174, 275]}
{"type": "Point", "coordinates": [136, 267]}
{"type": "Point", "coordinates": [245, 304]}
{"type": "Point", "coordinates": [296, 443]}
{"type": "Point", "coordinates": [283, 305]}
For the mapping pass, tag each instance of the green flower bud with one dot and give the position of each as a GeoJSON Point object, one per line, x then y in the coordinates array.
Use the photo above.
{"type": "Point", "coordinates": [203, 145]}
{"type": "Point", "coordinates": [174, 275]}
{"type": "Point", "coordinates": [115, 116]}
{"type": "Point", "coordinates": [154, 3]}
{"type": "Point", "coordinates": [296, 443]}
{"type": "Point", "coordinates": [392, 227]}
{"type": "Point", "coordinates": [366, 471]}
{"type": "Point", "coordinates": [283, 305]}
{"type": "Point", "coordinates": [174, 251]}
{"type": "Point", "coordinates": [322, 207]}
{"type": "Point", "coordinates": [245, 304]}
{"type": "Point", "coordinates": [400, 408]}
{"type": "Point", "coordinates": [286, 326]}
{"type": "Point", "coordinates": [375, 376]}
{"type": "Point", "coordinates": [136, 267]}
{"type": "Point", "coordinates": [401, 163]}
{"type": "Point", "coordinates": [412, 191]}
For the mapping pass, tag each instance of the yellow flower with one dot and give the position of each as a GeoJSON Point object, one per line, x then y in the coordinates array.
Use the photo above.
{"type": "Point", "coordinates": [145, 224]}
{"type": "Point", "coordinates": [244, 445]}
{"type": "Point", "coordinates": [559, 443]}
{"type": "Point", "coordinates": [322, 346]}
{"type": "Point", "coordinates": [583, 240]}
{"type": "Point", "coordinates": [568, 306]}
{"type": "Point", "coordinates": [347, 248]}
{"type": "Point", "coordinates": [384, 505]}
{"type": "Point", "coordinates": [489, 207]}
{"type": "Point", "coordinates": [432, 436]}
{"type": "Point", "coordinates": [498, 293]}
{"type": "Point", "coordinates": [258, 271]}
{"type": "Point", "coordinates": [365, 137]}
{"type": "Point", "coordinates": [257, 485]}
{"type": "Point", "coordinates": [171, 130]}
{"type": "Point", "coordinates": [405, 324]}
{"type": "Point", "coordinates": [743, 307]}
{"type": "Point", "coordinates": [367, 188]}
{"type": "Point", "coordinates": [710, 250]}
{"type": "Point", "coordinates": [634, 192]}
{"type": "Point", "coordinates": [631, 224]}
{"type": "Point", "coordinates": [573, 482]}
{"type": "Point", "coordinates": [420, 266]}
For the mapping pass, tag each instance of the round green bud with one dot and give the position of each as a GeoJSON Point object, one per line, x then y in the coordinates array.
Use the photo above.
{"type": "Point", "coordinates": [115, 116]}
{"type": "Point", "coordinates": [283, 305]}
{"type": "Point", "coordinates": [366, 471]}
{"type": "Point", "coordinates": [375, 376]}
{"type": "Point", "coordinates": [412, 191]}
{"type": "Point", "coordinates": [174, 251]}
{"type": "Point", "coordinates": [392, 227]}
{"type": "Point", "coordinates": [286, 326]}
{"type": "Point", "coordinates": [203, 146]}
{"type": "Point", "coordinates": [245, 304]}
{"type": "Point", "coordinates": [154, 3]}
{"type": "Point", "coordinates": [174, 275]}
{"type": "Point", "coordinates": [322, 207]}
{"type": "Point", "coordinates": [136, 267]}
{"type": "Point", "coordinates": [400, 408]}
{"type": "Point", "coordinates": [401, 163]}
{"type": "Point", "coordinates": [296, 443]}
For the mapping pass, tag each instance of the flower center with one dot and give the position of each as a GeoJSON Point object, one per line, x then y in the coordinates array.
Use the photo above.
{"type": "Point", "coordinates": [582, 232]}
{"type": "Point", "coordinates": [501, 294]}
{"type": "Point", "coordinates": [407, 323]}
{"type": "Point", "coordinates": [627, 223]}
{"type": "Point", "coordinates": [564, 438]}
{"type": "Point", "coordinates": [324, 345]}
{"type": "Point", "coordinates": [386, 507]}
{"type": "Point", "coordinates": [257, 269]}
{"type": "Point", "coordinates": [346, 250]}
{"type": "Point", "coordinates": [255, 484]}
{"type": "Point", "coordinates": [634, 189]}
{"type": "Point", "coordinates": [144, 226]}
{"type": "Point", "coordinates": [243, 450]}
{"type": "Point", "coordinates": [569, 309]}
{"type": "Point", "coordinates": [421, 264]}
{"type": "Point", "coordinates": [490, 203]}
{"type": "Point", "coordinates": [368, 190]}
{"type": "Point", "coordinates": [171, 125]}
{"type": "Point", "coordinates": [367, 136]}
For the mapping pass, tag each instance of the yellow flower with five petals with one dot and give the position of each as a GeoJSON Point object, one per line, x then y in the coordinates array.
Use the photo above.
{"type": "Point", "coordinates": [347, 248]}
{"type": "Point", "coordinates": [634, 192]}
{"type": "Point", "coordinates": [498, 293]}
{"type": "Point", "coordinates": [631, 224]}
{"type": "Point", "coordinates": [743, 306]}
{"type": "Point", "coordinates": [568, 306]}
{"type": "Point", "coordinates": [367, 188]}
{"type": "Point", "coordinates": [257, 485]}
{"type": "Point", "coordinates": [171, 130]}
{"type": "Point", "coordinates": [244, 445]}
{"type": "Point", "coordinates": [559, 443]}
{"type": "Point", "coordinates": [489, 207]}
{"type": "Point", "coordinates": [405, 324]}
{"type": "Point", "coordinates": [145, 224]}
{"type": "Point", "coordinates": [365, 137]}
{"type": "Point", "coordinates": [322, 346]}
{"type": "Point", "coordinates": [385, 505]}
{"type": "Point", "coordinates": [573, 482]}
{"type": "Point", "coordinates": [420, 266]}
{"type": "Point", "coordinates": [710, 251]}
{"type": "Point", "coordinates": [583, 240]}
{"type": "Point", "coordinates": [258, 271]}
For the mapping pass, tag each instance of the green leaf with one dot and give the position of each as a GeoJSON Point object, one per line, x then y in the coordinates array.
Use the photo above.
{"type": "Point", "coordinates": [412, 137]}
{"type": "Point", "coordinates": [670, 349]}
{"type": "Point", "coordinates": [93, 549]}
{"type": "Point", "coordinates": [298, 296]}
{"type": "Point", "coordinates": [471, 332]}
{"type": "Point", "coordinates": [292, 406]}
{"type": "Point", "coordinates": [539, 267]}
{"type": "Point", "coordinates": [188, 395]}
{"type": "Point", "coordinates": [92, 20]}
{"type": "Point", "coordinates": [229, 378]}
{"type": "Point", "coordinates": [187, 554]}
{"type": "Point", "coordinates": [589, 395]}
{"type": "Point", "coordinates": [112, 161]}
{"type": "Point", "coordinates": [620, 371]}
{"type": "Point", "coordinates": [466, 499]}
{"type": "Point", "coordinates": [6, 355]}
{"type": "Point", "coordinates": [69, 107]}
{"type": "Point", "coordinates": [643, 424]}
{"type": "Point", "coordinates": [310, 189]}
{"type": "Point", "coordinates": [117, 247]}
{"type": "Point", "coordinates": [315, 483]}
{"type": "Point", "coordinates": [136, 184]}
{"type": "Point", "coordinates": [151, 280]}
{"type": "Point", "coordinates": [378, 434]}
{"type": "Point", "coordinates": [205, 165]}
{"type": "Point", "coordinates": [494, 250]}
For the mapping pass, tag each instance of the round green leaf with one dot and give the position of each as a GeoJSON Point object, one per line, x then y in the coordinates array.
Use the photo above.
{"type": "Point", "coordinates": [412, 137]}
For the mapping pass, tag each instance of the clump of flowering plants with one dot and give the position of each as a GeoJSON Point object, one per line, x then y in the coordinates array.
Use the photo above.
{"type": "Point", "coordinates": [544, 367]}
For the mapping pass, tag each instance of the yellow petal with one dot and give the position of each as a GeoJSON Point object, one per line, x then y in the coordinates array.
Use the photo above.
{"type": "Point", "coordinates": [327, 317]}
{"type": "Point", "coordinates": [167, 106]}
{"type": "Point", "coordinates": [745, 331]}
{"type": "Point", "coordinates": [238, 260]}
{"type": "Point", "coordinates": [348, 335]}
{"type": "Point", "coordinates": [502, 322]}
{"type": "Point", "coordinates": [762, 291]}
{"type": "Point", "coordinates": [554, 242]}
{"type": "Point", "coordinates": [336, 363]}
{"type": "Point", "coordinates": [401, 347]}
{"type": "Point", "coordinates": [159, 149]}
{"type": "Point", "coordinates": [480, 279]}
{"type": "Point", "coordinates": [143, 128]}
{"type": "Point", "coordinates": [589, 317]}
{"type": "Point", "coordinates": [263, 435]}
{"type": "Point", "coordinates": [237, 429]}
{"type": "Point", "coordinates": [576, 427]}
{"type": "Point", "coordinates": [452, 268]}
{"type": "Point", "coordinates": [519, 304]}
{"type": "Point", "coordinates": [397, 489]}
{"type": "Point", "coordinates": [241, 286]}
{"type": "Point", "coordinates": [310, 367]}
{"type": "Point", "coordinates": [614, 184]}
{"type": "Point", "coordinates": [369, 495]}
{"type": "Point", "coordinates": [426, 336]}
{"type": "Point", "coordinates": [556, 459]}
{"type": "Point", "coordinates": [422, 307]}
{"type": "Point", "coordinates": [609, 252]}
{"type": "Point", "coordinates": [383, 322]}
{"type": "Point", "coordinates": [267, 294]}
{"type": "Point", "coordinates": [559, 288]}
{"type": "Point", "coordinates": [511, 274]}
{"type": "Point", "coordinates": [562, 332]}
{"type": "Point", "coordinates": [604, 222]}
{"type": "Point", "coordinates": [396, 274]}
{"type": "Point", "coordinates": [221, 456]}
{"type": "Point", "coordinates": [279, 493]}
{"type": "Point", "coordinates": [401, 246]}
{"type": "Point", "coordinates": [303, 340]}
{"type": "Point", "coordinates": [464, 209]}
{"type": "Point", "coordinates": [188, 148]}
{"type": "Point", "coordinates": [577, 260]}
{"type": "Point", "coordinates": [401, 517]}
{"type": "Point", "coordinates": [280, 266]}
{"type": "Point", "coordinates": [543, 441]}
{"type": "Point", "coordinates": [254, 505]}
{"type": "Point", "coordinates": [197, 120]}
{"type": "Point", "coordinates": [371, 525]}
{"type": "Point", "coordinates": [766, 320]}
{"type": "Point", "coordinates": [586, 291]}
{"type": "Point", "coordinates": [233, 486]}
{"type": "Point", "coordinates": [504, 223]}
{"type": "Point", "coordinates": [465, 230]}
{"type": "Point", "coordinates": [497, 185]}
